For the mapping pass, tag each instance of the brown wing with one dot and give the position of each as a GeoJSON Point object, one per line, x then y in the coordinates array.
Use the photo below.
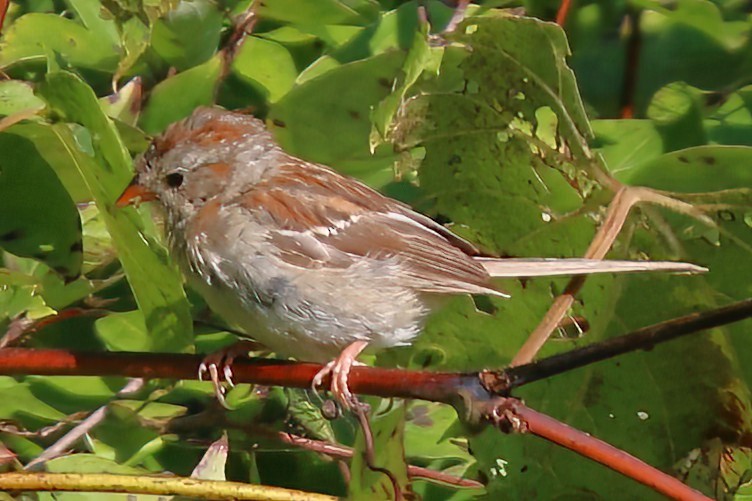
{"type": "Point", "coordinates": [322, 219]}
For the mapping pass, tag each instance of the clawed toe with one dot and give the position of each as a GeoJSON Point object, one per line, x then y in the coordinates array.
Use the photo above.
{"type": "Point", "coordinates": [220, 362]}
{"type": "Point", "coordinates": [212, 371]}
{"type": "Point", "coordinates": [339, 370]}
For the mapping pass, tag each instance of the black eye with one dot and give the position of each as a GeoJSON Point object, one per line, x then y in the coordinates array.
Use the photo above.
{"type": "Point", "coordinates": [174, 179]}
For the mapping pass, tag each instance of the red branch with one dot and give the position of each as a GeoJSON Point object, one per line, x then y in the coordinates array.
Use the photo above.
{"type": "Point", "coordinates": [4, 4]}
{"type": "Point", "coordinates": [561, 15]}
{"type": "Point", "coordinates": [634, 46]}
{"type": "Point", "coordinates": [506, 412]}
{"type": "Point", "coordinates": [462, 390]}
{"type": "Point", "coordinates": [438, 387]}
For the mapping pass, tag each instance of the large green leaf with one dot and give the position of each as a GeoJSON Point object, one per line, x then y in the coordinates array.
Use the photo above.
{"type": "Point", "coordinates": [16, 96]}
{"type": "Point", "coordinates": [704, 49]}
{"type": "Point", "coordinates": [330, 106]}
{"type": "Point", "coordinates": [506, 159]}
{"type": "Point", "coordinates": [104, 165]}
{"type": "Point", "coordinates": [266, 65]}
{"type": "Point", "coordinates": [187, 35]}
{"type": "Point", "coordinates": [698, 169]}
{"type": "Point", "coordinates": [176, 97]}
{"type": "Point", "coordinates": [42, 223]}
{"type": "Point", "coordinates": [35, 37]}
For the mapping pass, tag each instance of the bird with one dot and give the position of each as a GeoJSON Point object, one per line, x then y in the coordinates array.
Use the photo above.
{"type": "Point", "coordinates": [310, 263]}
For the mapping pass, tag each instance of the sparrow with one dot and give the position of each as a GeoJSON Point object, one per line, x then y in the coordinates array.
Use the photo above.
{"type": "Point", "coordinates": [308, 262]}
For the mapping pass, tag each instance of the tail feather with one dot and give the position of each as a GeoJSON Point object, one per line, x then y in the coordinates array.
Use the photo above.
{"type": "Point", "coordinates": [548, 267]}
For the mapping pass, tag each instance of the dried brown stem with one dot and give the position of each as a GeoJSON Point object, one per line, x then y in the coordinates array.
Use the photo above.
{"type": "Point", "coordinates": [624, 200]}
{"type": "Point", "coordinates": [458, 16]}
{"type": "Point", "coordinates": [162, 486]}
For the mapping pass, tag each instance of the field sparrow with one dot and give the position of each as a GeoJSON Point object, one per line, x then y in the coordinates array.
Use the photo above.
{"type": "Point", "coordinates": [310, 263]}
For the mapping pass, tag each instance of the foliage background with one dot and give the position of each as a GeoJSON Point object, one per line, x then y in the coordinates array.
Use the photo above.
{"type": "Point", "coordinates": [488, 131]}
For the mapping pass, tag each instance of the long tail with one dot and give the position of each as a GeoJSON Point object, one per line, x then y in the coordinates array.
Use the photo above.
{"type": "Point", "coordinates": [547, 267]}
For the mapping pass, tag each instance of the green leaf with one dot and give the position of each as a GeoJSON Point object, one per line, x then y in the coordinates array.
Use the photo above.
{"type": "Point", "coordinates": [395, 30]}
{"type": "Point", "coordinates": [72, 393]}
{"type": "Point", "coordinates": [309, 417]}
{"type": "Point", "coordinates": [310, 12]}
{"type": "Point", "coordinates": [177, 96]}
{"type": "Point", "coordinates": [675, 110]}
{"type": "Point", "coordinates": [427, 430]}
{"type": "Point", "coordinates": [156, 284]}
{"type": "Point", "coordinates": [626, 144]}
{"type": "Point", "coordinates": [699, 169]}
{"type": "Point", "coordinates": [89, 463]}
{"type": "Point", "coordinates": [16, 96]}
{"type": "Point", "coordinates": [187, 35]}
{"type": "Point", "coordinates": [97, 19]}
{"type": "Point", "coordinates": [21, 404]}
{"type": "Point", "coordinates": [705, 50]}
{"type": "Point", "coordinates": [49, 231]}
{"type": "Point", "coordinates": [266, 65]}
{"type": "Point", "coordinates": [328, 106]}
{"type": "Point", "coordinates": [418, 59]}
{"type": "Point", "coordinates": [34, 37]}
{"type": "Point", "coordinates": [49, 148]}
{"type": "Point", "coordinates": [19, 295]}
{"type": "Point", "coordinates": [124, 332]}
{"type": "Point", "coordinates": [731, 122]}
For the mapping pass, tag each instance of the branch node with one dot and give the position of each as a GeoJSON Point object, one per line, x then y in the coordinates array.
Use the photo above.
{"type": "Point", "coordinates": [495, 382]}
{"type": "Point", "coordinates": [502, 412]}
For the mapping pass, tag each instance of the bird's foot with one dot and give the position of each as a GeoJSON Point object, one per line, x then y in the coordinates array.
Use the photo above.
{"type": "Point", "coordinates": [217, 366]}
{"type": "Point", "coordinates": [339, 370]}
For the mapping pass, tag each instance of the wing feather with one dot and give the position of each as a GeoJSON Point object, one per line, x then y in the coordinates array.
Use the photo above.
{"type": "Point", "coordinates": [321, 219]}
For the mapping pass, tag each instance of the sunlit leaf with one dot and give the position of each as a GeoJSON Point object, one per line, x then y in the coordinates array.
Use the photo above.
{"type": "Point", "coordinates": [105, 167]}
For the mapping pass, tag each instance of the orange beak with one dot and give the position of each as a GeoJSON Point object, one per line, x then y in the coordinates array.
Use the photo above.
{"type": "Point", "coordinates": [135, 193]}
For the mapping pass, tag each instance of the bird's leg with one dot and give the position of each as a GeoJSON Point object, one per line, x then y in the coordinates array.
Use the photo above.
{"type": "Point", "coordinates": [339, 369]}
{"type": "Point", "coordinates": [218, 365]}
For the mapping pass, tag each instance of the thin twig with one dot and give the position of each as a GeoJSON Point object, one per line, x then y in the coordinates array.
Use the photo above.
{"type": "Point", "coordinates": [13, 119]}
{"type": "Point", "coordinates": [642, 339]}
{"type": "Point", "coordinates": [340, 451]}
{"type": "Point", "coordinates": [66, 441]}
{"type": "Point", "coordinates": [508, 413]}
{"type": "Point", "coordinates": [22, 325]}
{"type": "Point", "coordinates": [242, 28]}
{"type": "Point", "coordinates": [368, 449]}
